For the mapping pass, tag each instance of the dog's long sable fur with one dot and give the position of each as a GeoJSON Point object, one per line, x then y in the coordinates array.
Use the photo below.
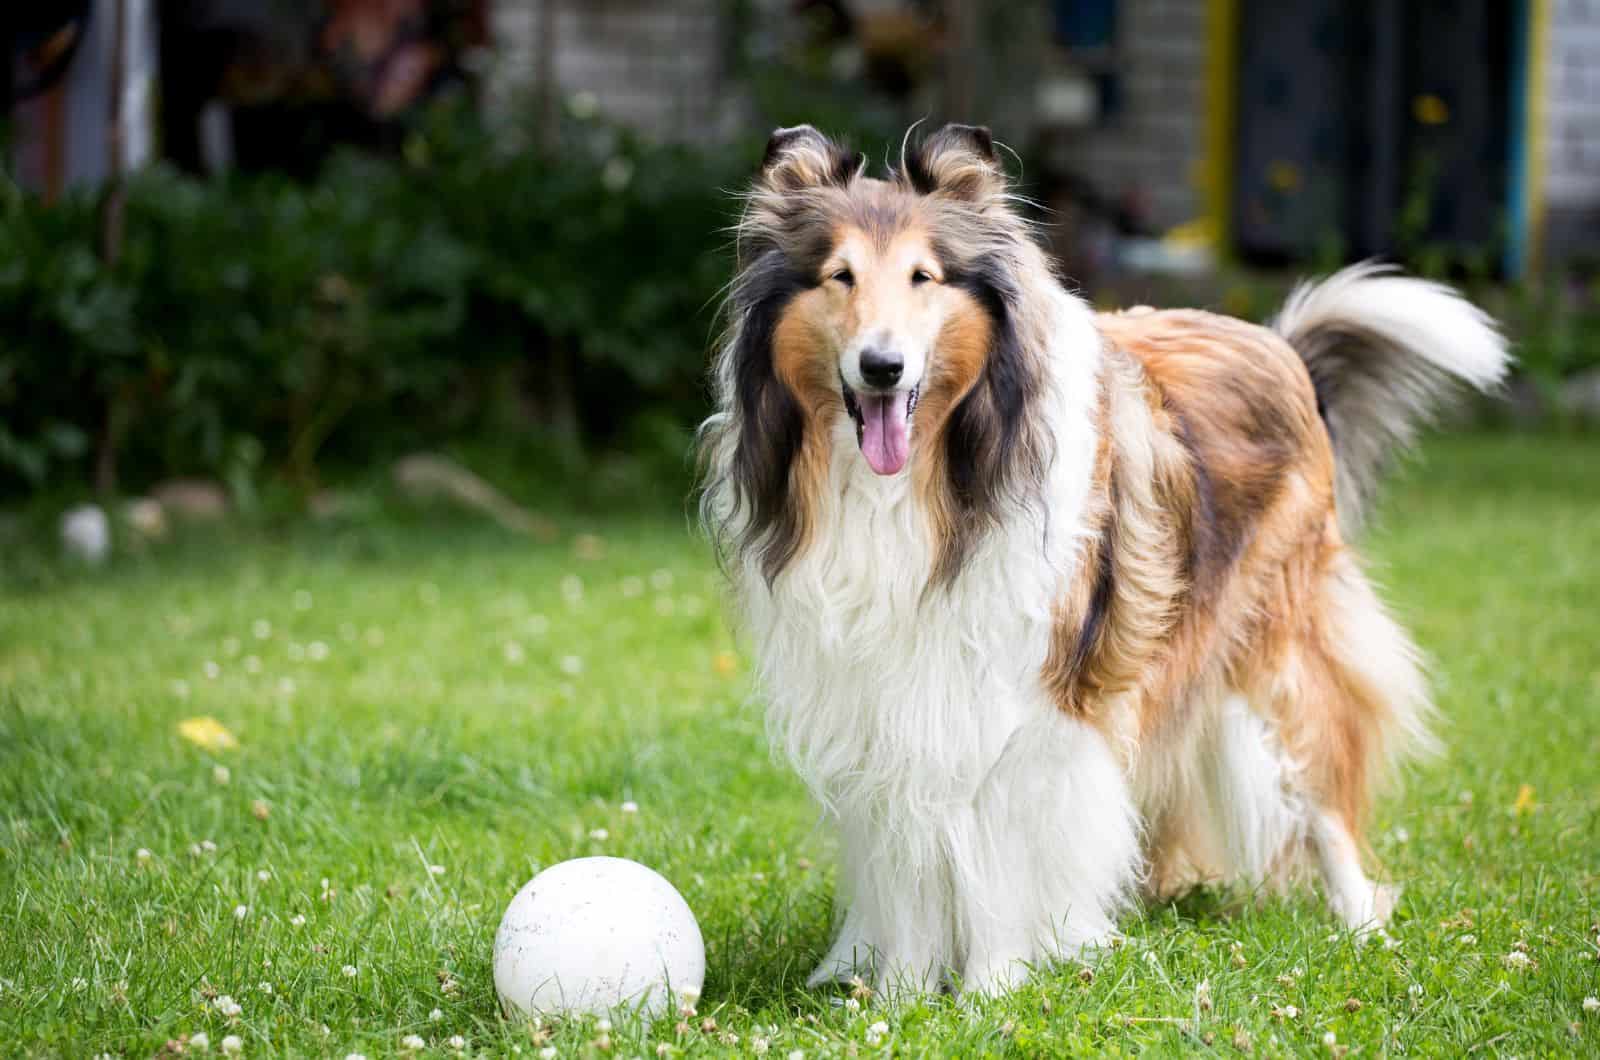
{"type": "Point", "coordinates": [1049, 604]}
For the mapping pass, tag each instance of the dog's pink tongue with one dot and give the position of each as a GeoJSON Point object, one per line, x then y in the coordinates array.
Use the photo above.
{"type": "Point", "coordinates": [884, 440]}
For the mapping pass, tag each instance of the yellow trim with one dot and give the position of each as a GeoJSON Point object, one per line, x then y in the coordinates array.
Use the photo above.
{"type": "Point", "coordinates": [1538, 53]}
{"type": "Point", "coordinates": [1222, 68]}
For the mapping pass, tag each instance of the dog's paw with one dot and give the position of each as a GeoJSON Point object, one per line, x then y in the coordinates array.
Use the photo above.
{"type": "Point", "coordinates": [993, 976]}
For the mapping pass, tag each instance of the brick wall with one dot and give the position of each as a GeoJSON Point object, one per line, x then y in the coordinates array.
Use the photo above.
{"type": "Point", "coordinates": [1155, 145]}
{"type": "Point", "coordinates": [654, 64]}
{"type": "Point", "coordinates": [1572, 126]}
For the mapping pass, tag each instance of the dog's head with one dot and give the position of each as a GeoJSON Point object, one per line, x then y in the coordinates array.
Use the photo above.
{"type": "Point", "coordinates": [883, 309]}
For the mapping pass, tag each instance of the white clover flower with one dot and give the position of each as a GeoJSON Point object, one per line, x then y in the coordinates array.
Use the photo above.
{"type": "Point", "coordinates": [413, 1042]}
{"type": "Point", "coordinates": [1415, 989]}
{"type": "Point", "coordinates": [797, 1054]}
{"type": "Point", "coordinates": [240, 912]}
{"type": "Point", "coordinates": [264, 986]}
{"type": "Point", "coordinates": [263, 875]}
{"type": "Point", "coordinates": [200, 1041]}
{"type": "Point", "coordinates": [298, 920]}
{"type": "Point", "coordinates": [457, 1042]}
{"type": "Point", "coordinates": [599, 834]}
{"type": "Point", "coordinates": [436, 1015]}
{"type": "Point", "coordinates": [349, 971]}
{"type": "Point", "coordinates": [759, 1046]}
{"type": "Point", "coordinates": [602, 1025]}
{"type": "Point", "coordinates": [1517, 960]}
{"type": "Point", "coordinates": [355, 1056]}
{"type": "Point", "coordinates": [227, 1007]}
{"type": "Point", "coordinates": [142, 855]}
{"type": "Point", "coordinates": [629, 807]}
{"type": "Point", "coordinates": [221, 775]}
{"type": "Point", "coordinates": [852, 1005]}
{"type": "Point", "coordinates": [1591, 1004]}
{"type": "Point", "coordinates": [436, 870]}
{"type": "Point", "coordinates": [233, 1045]}
{"type": "Point", "coordinates": [547, 1053]}
{"type": "Point", "coordinates": [208, 846]}
{"type": "Point", "coordinates": [1330, 1039]}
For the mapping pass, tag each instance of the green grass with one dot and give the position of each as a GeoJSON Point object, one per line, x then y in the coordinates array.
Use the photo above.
{"type": "Point", "coordinates": [421, 738]}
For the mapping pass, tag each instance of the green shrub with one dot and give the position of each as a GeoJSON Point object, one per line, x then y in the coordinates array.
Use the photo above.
{"type": "Point", "coordinates": [467, 286]}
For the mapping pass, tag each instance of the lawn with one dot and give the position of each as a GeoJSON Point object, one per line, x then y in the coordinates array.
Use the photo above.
{"type": "Point", "coordinates": [428, 711]}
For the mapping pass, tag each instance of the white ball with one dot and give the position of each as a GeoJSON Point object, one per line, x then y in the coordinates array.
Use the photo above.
{"type": "Point", "coordinates": [86, 533]}
{"type": "Point", "coordinates": [592, 934]}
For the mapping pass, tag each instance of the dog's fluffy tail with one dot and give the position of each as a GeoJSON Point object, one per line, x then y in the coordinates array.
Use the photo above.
{"type": "Point", "coordinates": [1384, 351]}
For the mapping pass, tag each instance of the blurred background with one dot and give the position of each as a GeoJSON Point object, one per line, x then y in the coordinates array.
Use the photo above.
{"type": "Point", "coordinates": [254, 253]}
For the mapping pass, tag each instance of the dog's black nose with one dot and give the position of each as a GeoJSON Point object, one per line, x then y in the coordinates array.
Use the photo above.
{"type": "Point", "coordinates": [881, 369]}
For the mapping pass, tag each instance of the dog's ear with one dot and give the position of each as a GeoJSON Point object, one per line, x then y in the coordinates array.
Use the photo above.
{"type": "Point", "coordinates": [801, 157]}
{"type": "Point", "coordinates": [958, 161]}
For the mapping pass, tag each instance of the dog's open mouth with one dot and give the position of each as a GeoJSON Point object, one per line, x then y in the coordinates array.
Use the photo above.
{"type": "Point", "coordinates": [883, 426]}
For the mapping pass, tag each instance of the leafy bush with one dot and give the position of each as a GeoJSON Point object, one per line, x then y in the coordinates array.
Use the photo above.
{"type": "Point", "coordinates": [469, 285]}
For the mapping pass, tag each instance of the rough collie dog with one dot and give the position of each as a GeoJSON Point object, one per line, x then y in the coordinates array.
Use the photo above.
{"type": "Point", "coordinates": [1050, 606]}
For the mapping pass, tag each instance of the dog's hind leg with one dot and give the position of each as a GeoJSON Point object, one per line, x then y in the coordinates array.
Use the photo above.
{"type": "Point", "coordinates": [1048, 854]}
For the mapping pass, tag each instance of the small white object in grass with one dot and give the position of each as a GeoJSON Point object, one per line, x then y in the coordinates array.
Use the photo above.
{"type": "Point", "coordinates": [263, 875]}
{"type": "Point", "coordinates": [572, 665]}
{"type": "Point", "coordinates": [298, 920]}
{"type": "Point", "coordinates": [261, 629]}
{"type": "Point", "coordinates": [457, 1042]}
{"type": "Point", "coordinates": [221, 774]}
{"type": "Point", "coordinates": [233, 1045]}
{"type": "Point", "coordinates": [436, 1015]}
{"type": "Point", "coordinates": [86, 533]}
{"type": "Point", "coordinates": [592, 934]}
{"type": "Point", "coordinates": [199, 1041]}
{"type": "Point", "coordinates": [630, 807]}
{"type": "Point", "coordinates": [413, 1042]}
{"type": "Point", "coordinates": [1591, 1004]}
{"type": "Point", "coordinates": [599, 835]}
{"type": "Point", "coordinates": [436, 870]}
{"type": "Point", "coordinates": [142, 855]}
{"type": "Point", "coordinates": [349, 971]}
{"type": "Point", "coordinates": [240, 912]}
{"type": "Point", "coordinates": [316, 651]}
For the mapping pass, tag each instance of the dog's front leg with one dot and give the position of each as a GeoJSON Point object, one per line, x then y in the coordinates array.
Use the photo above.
{"type": "Point", "coordinates": [897, 931]}
{"type": "Point", "coordinates": [1048, 853]}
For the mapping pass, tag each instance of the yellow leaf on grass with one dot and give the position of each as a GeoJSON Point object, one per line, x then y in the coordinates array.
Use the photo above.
{"type": "Point", "coordinates": [206, 731]}
{"type": "Point", "coordinates": [1524, 803]}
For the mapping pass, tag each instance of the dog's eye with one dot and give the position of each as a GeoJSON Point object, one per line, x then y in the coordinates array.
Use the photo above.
{"type": "Point", "coordinates": [844, 276]}
{"type": "Point", "coordinates": [920, 277]}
